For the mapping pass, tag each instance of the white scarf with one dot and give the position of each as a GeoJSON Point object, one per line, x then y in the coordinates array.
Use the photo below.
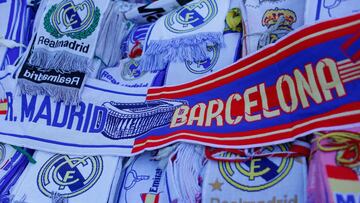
{"type": "Point", "coordinates": [116, 183]}
{"type": "Point", "coordinates": [327, 9]}
{"type": "Point", "coordinates": [70, 129]}
{"type": "Point", "coordinates": [128, 74]}
{"type": "Point", "coordinates": [264, 24]}
{"type": "Point", "coordinates": [144, 181]}
{"type": "Point", "coordinates": [16, 20]}
{"type": "Point", "coordinates": [269, 179]}
{"type": "Point", "coordinates": [134, 43]}
{"type": "Point", "coordinates": [113, 31]}
{"type": "Point", "coordinates": [217, 57]}
{"type": "Point", "coordinates": [75, 178]}
{"type": "Point", "coordinates": [185, 34]}
{"type": "Point", "coordinates": [186, 163]}
{"type": "Point", "coordinates": [12, 163]}
{"type": "Point", "coordinates": [154, 10]}
{"type": "Point", "coordinates": [63, 45]}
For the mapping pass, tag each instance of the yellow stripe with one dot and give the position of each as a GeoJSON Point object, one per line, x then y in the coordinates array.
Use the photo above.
{"type": "Point", "coordinates": [3, 107]}
{"type": "Point", "coordinates": [263, 59]}
{"type": "Point", "coordinates": [344, 186]}
{"type": "Point", "coordinates": [150, 198]}
{"type": "Point", "coordinates": [349, 113]}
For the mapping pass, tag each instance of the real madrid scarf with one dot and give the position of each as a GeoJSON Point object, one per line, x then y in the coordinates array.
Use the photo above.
{"type": "Point", "coordinates": [258, 180]}
{"type": "Point", "coordinates": [186, 163]}
{"type": "Point", "coordinates": [334, 174]}
{"type": "Point", "coordinates": [153, 11]}
{"type": "Point", "coordinates": [64, 47]}
{"type": "Point", "coordinates": [185, 34]}
{"type": "Point", "coordinates": [327, 9]}
{"type": "Point", "coordinates": [15, 30]}
{"type": "Point", "coordinates": [144, 181]}
{"type": "Point", "coordinates": [12, 163]}
{"type": "Point", "coordinates": [134, 43]}
{"type": "Point", "coordinates": [57, 177]}
{"type": "Point", "coordinates": [128, 74]}
{"type": "Point", "coordinates": [114, 29]}
{"type": "Point", "coordinates": [266, 21]}
{"type": "Point", "coordinates": [117, 180]}
{"type": "Point", "coordinates": [217, 57]}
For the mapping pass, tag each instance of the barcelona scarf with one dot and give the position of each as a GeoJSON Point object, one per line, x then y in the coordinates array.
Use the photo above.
{"type": "Point", "coordinates": [287, 90]}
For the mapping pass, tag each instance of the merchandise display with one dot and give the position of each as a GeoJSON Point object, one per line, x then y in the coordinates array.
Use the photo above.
{"type": "Point", "coordinates": [179, 101]}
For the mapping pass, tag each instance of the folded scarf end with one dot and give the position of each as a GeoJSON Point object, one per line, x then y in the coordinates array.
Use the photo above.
{"type": "Point", "coordinates": [189, 48]}
{"type": "Point", "coordinates": [70, 96]}
{"type": "Point", "coordinates": [60, 60]}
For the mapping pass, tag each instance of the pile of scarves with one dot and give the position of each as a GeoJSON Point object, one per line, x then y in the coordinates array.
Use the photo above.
{"type": "Point", "coordinates": [142, 44]}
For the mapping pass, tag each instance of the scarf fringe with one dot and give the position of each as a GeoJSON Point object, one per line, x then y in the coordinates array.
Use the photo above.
{"type": "Point", "coordinates": [113, 32]}
{"type": "Point", "coordinates": [189, 164]}
{"type": "Point", "coordinates": [67, 95]}
{"type": "Point", "coordinates": [60, 61]}
{"type": "Point", "coordinates": [58, 198]}
{"type": "Point", "coordinates": [189, 48]}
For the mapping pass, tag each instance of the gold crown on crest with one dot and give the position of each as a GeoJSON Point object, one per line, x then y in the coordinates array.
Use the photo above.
{"type": "Point", "coordinates": [271, 16]}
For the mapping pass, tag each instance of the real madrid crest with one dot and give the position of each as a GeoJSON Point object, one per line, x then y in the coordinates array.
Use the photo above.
{"type": "Point", "coordinates": [131, 71]}
{"type": "Point", "coordinates": [69, 176]}
{"type": "Point", "coordinates": [279, 23]}
{"type": "Point", "coordinates": [191, 17]}
{"type": "Point", "coordinates": [201, 67]}
{"type": "Point", "coordinates": [257, 173]}
{"type": "Point", "coordinates": [75, 19]}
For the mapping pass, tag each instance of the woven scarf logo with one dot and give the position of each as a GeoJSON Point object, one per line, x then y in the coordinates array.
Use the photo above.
{"type": "Point", "coordinates": [279, 23]}
{"type": "Point", "coordinates": [191, 16]}
{"type": "Point", "coordinates": [258, 173]}
{"type": "Point", "coordinates": [69, 176]}
{"type": "Point", "coordinates": [130, 120]}
{"type": "Point", "coordinates": [201, 67]}
{"type": "Point", "coordinates": [131, 71]}
{"type": "Point", "coordinates": [77, 21]}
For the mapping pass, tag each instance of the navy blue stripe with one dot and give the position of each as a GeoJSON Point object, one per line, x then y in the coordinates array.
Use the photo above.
{"type": "Point", "coordinates": [318, 10]}
{"type": "Point", "coordinates": [63, 143]}
{"type": "Point", "coordinates": [111, 91]}
{"type": "Point", "coordinates": [148, 36]}
{"type": "Point", "coordinates": [10, 22]}
{"type": "Point", "coordinates": [167, 186]}
{"type": "Point", "coordinates": [5, 76]}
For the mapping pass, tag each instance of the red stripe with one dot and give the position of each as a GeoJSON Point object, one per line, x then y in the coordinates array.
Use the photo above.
{"type": "Point", "coordinates": [350, 76]}
{"type": "Point", "coordinates": [3, 112]}
{"type": "Point", "coordinates": [304, 45]}
{"type": "Point", "coordinates": [349, 67]}
{"type": "Point", "coordinates": [344, 64]}
{"type": "Point", "coordinates": [341, 172]}
{"type": "Point", "coordinates": [262, 140]}
{"type": "Point", "coordinates": [157, 198]}
{"type": "Point", "coordinates": [3, 101]}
